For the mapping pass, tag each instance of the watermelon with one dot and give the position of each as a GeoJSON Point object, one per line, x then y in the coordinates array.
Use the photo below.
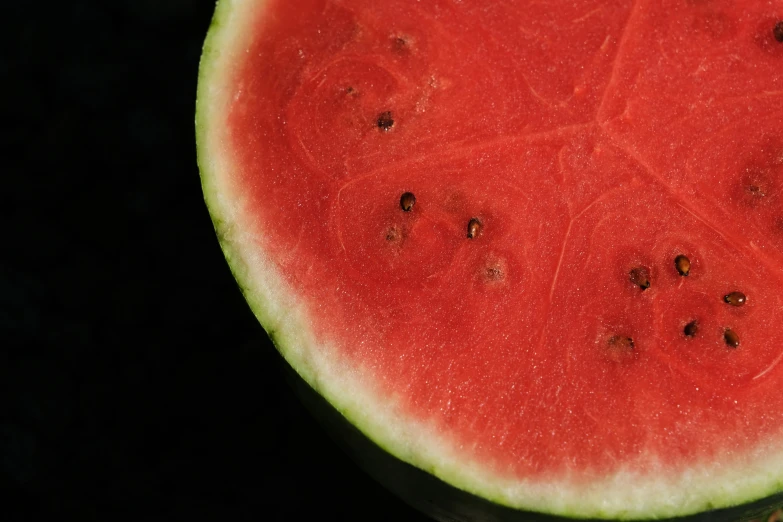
{"type": "Point", "coordinates": [528, 252]}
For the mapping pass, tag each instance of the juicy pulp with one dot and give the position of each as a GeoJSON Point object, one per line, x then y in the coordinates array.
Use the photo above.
{"type": "Point", "coordinates": [588, 138]}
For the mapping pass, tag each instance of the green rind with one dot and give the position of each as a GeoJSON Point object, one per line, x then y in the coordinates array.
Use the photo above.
{"type": "Point", "coordinates": [281, 317]}
{"type": "Point", "coordinates": [446, 503]}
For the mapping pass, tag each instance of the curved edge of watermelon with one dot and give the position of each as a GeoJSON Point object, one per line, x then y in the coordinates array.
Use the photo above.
{"type": "Point", "coordinates": [346, 397]}
{"type": "Point", "coordinates": [444, 502]}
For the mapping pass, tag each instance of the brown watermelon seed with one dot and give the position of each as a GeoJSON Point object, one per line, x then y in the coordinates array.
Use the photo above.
{"type": "Point", "coordinates": [474, 228]}
{"type": "Point", "coordinates": [735, 298]}
{"type": "Point", "coordinates": [399, 43]}
{"type": "Point", "coordinates": [777, 31]}
{"type": "Point", "coordinates": [756, 191]}
{"type": "Point", "coordinates": [407, 200]}
{"type": "Point", "coordinates": [385, 121]}
{"type": "Point", "coordinates": [683, 265]}
{"type": "Point", "coordinates": [494, 273]}
{"type": "Point", "coordinates": [640, 276]}
{"type": "Point", "coordinates": [620, 341]}
{"type": "Point", "coordinates": [691, 329]}
{"type": "Point", "coordinates": [731, 338]}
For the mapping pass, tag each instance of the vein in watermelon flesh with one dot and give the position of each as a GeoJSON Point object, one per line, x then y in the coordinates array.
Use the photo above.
{"type": "Point", "coordinates": [587, 140]}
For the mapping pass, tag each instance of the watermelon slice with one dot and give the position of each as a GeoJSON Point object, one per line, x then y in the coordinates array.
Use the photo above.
{"type": "Point", "coordinates": [530, 249]}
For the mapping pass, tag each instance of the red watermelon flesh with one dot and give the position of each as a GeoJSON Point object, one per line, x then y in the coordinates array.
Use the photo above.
{"type": "Point", "coordinates": [579, 310]}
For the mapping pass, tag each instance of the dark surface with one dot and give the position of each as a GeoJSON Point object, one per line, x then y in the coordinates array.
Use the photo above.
{"type": "Point", "coordinates": [136, 384]}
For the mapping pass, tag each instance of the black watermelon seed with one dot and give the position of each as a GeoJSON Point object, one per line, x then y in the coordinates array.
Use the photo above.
{"type": "Point", "coordinates": [385, 121]}
{"type": "Point", "coordinates": [407, 200]}
{"type": "Point", "coordinates": [683, 265]}
{"type": "Point", "coordinates": [735, 298]}
{"type": "Point", "coordinates": [731, 338]}
{"type": "Point", "coordinates": [474, 228]}
{"type": "Point", "coordinates": [691, 329]}
{"type": "Point", "coordinates": [777, 31]}
{"type": "Point", "coordinates": [640, 276]}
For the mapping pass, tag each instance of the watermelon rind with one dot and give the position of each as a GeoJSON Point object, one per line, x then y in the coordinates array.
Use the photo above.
{"type": "Point", "coordinates": [447, 503]}
{"type": "Point", "coordinates": [451, 486]}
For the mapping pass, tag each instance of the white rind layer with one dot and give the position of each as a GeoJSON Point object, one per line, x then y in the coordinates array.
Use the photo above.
{"type": "Point", "coordinates": [734, 479]}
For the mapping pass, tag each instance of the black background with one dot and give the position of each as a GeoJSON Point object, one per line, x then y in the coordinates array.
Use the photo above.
{"type": "Point", "coordinates": [137, 385]}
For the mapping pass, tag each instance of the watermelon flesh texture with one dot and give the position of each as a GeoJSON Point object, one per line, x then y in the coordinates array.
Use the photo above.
{"type": "Point", "coordinates": [542, 363]}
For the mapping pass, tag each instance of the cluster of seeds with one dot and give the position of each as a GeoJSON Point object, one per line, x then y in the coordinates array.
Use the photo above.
{"type": "Point", "coordinates": [640, 276]}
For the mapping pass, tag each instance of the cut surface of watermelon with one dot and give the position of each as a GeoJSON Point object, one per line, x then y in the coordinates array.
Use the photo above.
{"type": "Point", "coordinates": [532, 248]}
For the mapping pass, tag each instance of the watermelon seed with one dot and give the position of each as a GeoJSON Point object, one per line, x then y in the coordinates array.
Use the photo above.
{"type": "Point", "coordinates": [622, 342]}
{"type": "Point", "coordinates": [683, 265]}
{"type": "Point", "coordinates": [392, 234]}
{"type": "Point", "coordinates": [778, 31]}
{"type": "Point", "coordinates": [731, 338]}
{"type": "Point", "coordinates": [691, 329]}
{"type": "Point", "coordinates": [400, 43]}
{"type": "Point", "coordinates": [407, 201]}
{"type": "Point", "coordinates": [640, 277]}
{"type": "Point", "coordinates": [385, 121]}
{"type": "Point", "coordinates": [494, 273]}
{"type": "Point", "coordinates": [735, 298]}
{"type": "Point", "coordinates": [756, 191]}
{"type": "Point", "coordinates": [474, 228]}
